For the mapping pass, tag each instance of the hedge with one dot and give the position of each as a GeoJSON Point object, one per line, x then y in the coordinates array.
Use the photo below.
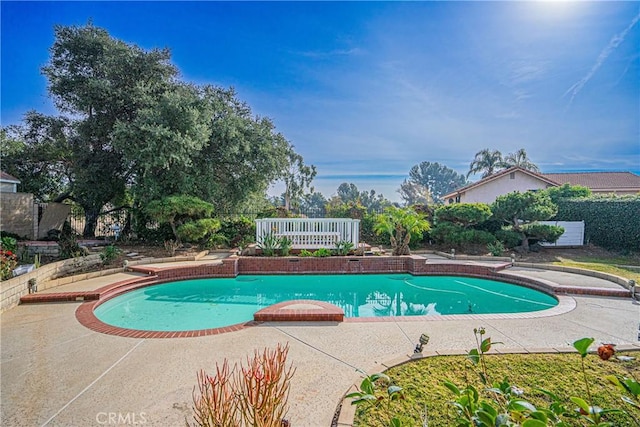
{"type": "Point", "coordinates": [613, 223]}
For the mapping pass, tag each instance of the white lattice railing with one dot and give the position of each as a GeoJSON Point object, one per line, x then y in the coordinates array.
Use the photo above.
{"type": "Point", "coordinates": [311, 233]}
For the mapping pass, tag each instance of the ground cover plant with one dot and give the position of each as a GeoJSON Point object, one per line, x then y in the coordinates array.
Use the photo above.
{"type": "Point", "coordinates": [569, 389]}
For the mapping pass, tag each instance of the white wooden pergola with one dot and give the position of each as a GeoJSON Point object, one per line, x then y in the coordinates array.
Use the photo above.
{"type": "Point", "coordinates": [311, 233]}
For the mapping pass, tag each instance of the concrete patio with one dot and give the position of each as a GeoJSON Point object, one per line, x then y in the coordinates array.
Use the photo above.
{"type": "Point", "coordinates": [55, 372]}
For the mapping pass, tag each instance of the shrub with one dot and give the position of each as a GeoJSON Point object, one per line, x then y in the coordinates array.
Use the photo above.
{"type": "Point", "coordinates": [401, 225]}
{"type": "Point", "coordinates": [237, 230]}
{"type": "Point", "coordinates": [463, 214]}
{"type": "Point", "coordinates": [566, 191]}
{"type": "Point", "coordinates": [68, 242]}
{"type": "Point", "coordinates": [456, 235]}
{"type": "Point", "coordinates": [367, 234]}
{"type": "Point", "coordinates": [8, 262]}
{"type": "Point", "coordinates": [305, 253]}
{"type": "Point", "coordinates": [4, 234]}
{"type": "Point", "coordinates": [496, 249]}
{"type": "Point", "coordinates": [285, 246]}
{"type": "Point", "coordinates": [612, 222]}
{"type": "Point", "coordinates": [182, 210]}
{"type": "Point", "coordinates": [543, 233]}
{"type": "Point", "coordinates": [269, 243]}
{"type": "Point", "coordinates": [343, 248]}
{"type": "Point", "coordinates": [195, 231]}
{"type": "Point", "coordinates": [170, 246]}
{"type": "Point", "coordinates": [254, 394]}
{"type": "Point", "coordinates": [508, 237]}
{"type": "Point", "coordinates": [9, 244]}
{"type": "Point", "coordinates": [109, 254]}
{"type": "Point", "coordinates": [322, 253]}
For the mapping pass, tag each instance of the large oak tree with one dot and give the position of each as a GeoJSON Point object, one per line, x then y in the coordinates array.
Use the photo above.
{"type": "Point", "coordinates": [133, 127]}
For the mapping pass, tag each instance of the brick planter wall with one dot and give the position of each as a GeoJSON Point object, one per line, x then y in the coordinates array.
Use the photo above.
{"type": "Point", "coordinates": [328, 265]}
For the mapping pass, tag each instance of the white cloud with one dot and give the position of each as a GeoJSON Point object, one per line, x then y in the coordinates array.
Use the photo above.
{"type": "Point", "coordinates": [615, 41]}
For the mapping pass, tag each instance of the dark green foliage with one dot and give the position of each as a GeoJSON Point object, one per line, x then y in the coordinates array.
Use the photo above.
{"type": "Point", "coordinates": [238, 230]}
{"type": "Point", "coordinates": [4, 234]}
{"type": "Point", "coordinates": [566, 191]}
{"type": "Point", "coordinates": [322, 253]}
{"type": "Point", "coordinates": [351, 209]}
{"type": "Point", "coordinates": [110, 254]}
{"type": "Point", "coordinates": [177, 208]}
{"type": "Point", "coordinates": [508, 237]}
{"type": "Point", "coordinates": [455, 235]}
{"type": "Point", "coordinates": [9, 244]}
{"type": "Point", "coordinates": [68, 242]}
{"type": "Point", "coordinates": [437, 179]}
{"type": "Point", "coordinates": [542, 232]}
{"type": "Point", "coordinates": [366, 231]}
{"type": "Point", "coordinates": [613, 223]}
{"type": "Point", "coordinates": [137, 130]}
{"type": "Point", "coordinates": [497, 248]}
{"type": "Point", "coordinates": [463, 214]}
{"type": "Point", "coordinates": [519, 209]}
{"type": "Point", "coordinates": [196, 231]}
{"type": "Point", "coordinates": [178, 211]}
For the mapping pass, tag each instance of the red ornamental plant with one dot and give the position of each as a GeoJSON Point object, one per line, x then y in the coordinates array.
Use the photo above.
{"type": "Point", "coordinates": [215, 404]}
{"type": "Point", "coordinates": [8, 261]}
{"type": "Point", "coordinates": [254, 395]}
{"type": "Point", "coordinates": [264, 388]}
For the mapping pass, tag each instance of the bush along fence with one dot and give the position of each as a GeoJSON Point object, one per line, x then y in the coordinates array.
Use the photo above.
{"type": "Point", "coordinates": [612, 223]}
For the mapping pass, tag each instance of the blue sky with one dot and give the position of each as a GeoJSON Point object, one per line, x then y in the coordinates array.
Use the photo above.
{"type": "Point", "coordinates": [366, 90]}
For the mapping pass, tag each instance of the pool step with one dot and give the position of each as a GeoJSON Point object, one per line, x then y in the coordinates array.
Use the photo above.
{"type": "Point", "coordinates": [300, 311]}
{"type": "Point", "coordinates": [76, 296]}
{"type": "Point", "coordinates": [59, 297]}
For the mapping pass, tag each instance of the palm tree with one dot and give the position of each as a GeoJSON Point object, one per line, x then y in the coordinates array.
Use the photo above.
{"type": "Point", "coordinates": [400, 224]}
{"type": "Point", "coordinates": [520, 159]}
{"type": "Point", "coordinates": [486, 161]}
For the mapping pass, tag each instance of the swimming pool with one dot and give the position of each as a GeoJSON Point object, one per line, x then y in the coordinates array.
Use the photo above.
{"type": "Point", "coordinates": [214, 303]}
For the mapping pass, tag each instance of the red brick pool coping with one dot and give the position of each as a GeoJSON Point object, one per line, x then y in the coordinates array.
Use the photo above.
{"type": "Point", "coordinates": [309, 310]}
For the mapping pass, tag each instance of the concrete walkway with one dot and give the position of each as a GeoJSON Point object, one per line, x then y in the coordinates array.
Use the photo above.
{"type": "Point", "coordinates": [55, 372]}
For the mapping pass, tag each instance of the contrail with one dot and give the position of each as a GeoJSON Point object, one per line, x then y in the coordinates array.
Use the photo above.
{"type": "Point", "coordinates": [613, 44]}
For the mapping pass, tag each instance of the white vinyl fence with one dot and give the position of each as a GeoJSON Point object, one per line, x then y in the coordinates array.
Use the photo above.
{"type": "Point", "coordinates": [310, 233]}
{"type": "Point", "coordinates": [573, 233]}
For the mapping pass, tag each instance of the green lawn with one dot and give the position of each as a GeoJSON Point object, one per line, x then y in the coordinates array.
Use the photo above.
{"type": "Point", "coordinates": [605, 266]}
{"type": "Point", "coordinates": [422, 382]}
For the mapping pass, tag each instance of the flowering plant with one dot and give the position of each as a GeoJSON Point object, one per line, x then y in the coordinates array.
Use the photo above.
{"type": "Point", "coordinates": [8, 261]}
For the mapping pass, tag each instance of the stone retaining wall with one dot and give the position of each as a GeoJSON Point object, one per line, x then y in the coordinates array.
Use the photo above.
{"type": "Point", "coordinates": [12, 289]}
{"type": "Point", "coordinates": [47, 275]}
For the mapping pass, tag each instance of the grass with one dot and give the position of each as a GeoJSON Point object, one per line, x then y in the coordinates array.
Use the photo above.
{"type": "Point", "coordinates": [602, 265]}
{"type": "Point", "coordinates": [422, 382]}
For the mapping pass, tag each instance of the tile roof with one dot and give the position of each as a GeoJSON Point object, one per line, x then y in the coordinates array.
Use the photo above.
{"type": "Point", "coordinates": [8, 178]}
{"type": "Point", "coordinates": [598, 180]}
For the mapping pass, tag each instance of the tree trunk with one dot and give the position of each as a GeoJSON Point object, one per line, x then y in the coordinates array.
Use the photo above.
{"type": "Point", "coordinates": [90, 222]}
{"type": "Point", "coordinates": [525, 242]}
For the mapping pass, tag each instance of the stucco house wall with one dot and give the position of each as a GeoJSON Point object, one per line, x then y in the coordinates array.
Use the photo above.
{"type": "Point", "coordinates": [490, 188]}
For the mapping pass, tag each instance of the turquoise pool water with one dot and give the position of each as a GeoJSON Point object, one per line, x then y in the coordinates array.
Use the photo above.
{"type": "Point", "coordinates": [213, 303]}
